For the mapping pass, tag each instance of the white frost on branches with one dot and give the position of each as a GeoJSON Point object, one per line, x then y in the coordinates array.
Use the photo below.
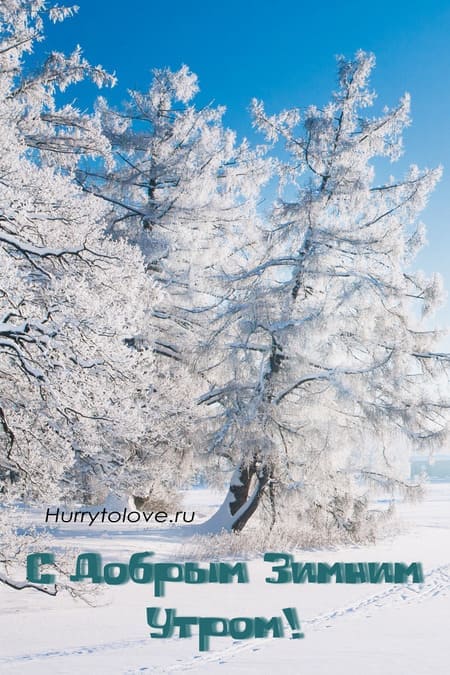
{"type": "Point", "coordinates": [74, 399]}
{"type": "Point", "coordinates": [323, 373]}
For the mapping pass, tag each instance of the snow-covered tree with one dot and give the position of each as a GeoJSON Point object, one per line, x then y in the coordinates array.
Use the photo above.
{"type": "Point", "coordinates": [184, 190]}
{"type": "Point", "coordinates": [325, 373]}
{"type": "Point", "coordinates": [178, 175]}
{"type": "Point", "coordinates": [74, 399]}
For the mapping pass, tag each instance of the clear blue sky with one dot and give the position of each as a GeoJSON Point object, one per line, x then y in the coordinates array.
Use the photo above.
{"type": "Point", "coordinates": [283, 51]}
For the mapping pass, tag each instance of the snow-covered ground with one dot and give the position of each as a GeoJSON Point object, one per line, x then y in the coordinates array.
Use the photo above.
{"type": "Point", "coordinates": [349, 629]}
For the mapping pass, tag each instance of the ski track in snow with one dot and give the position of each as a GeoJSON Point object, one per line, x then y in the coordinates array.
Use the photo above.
{"type": "Point", "coordinates": [437, 583]}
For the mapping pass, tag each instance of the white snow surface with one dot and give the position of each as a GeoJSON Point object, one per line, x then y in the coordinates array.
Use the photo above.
{"type": "Point", "coordinates": [357, 629]}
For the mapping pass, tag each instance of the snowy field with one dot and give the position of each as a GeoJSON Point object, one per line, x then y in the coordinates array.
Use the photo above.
{"type": "Point", "coordinates": [348, 629]}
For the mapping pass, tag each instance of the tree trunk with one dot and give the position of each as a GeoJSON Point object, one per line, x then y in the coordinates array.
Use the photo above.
{"type": "Point", "coordinates": [243, 506]}
{"type": "Point", "coordinates": [244, 495]}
